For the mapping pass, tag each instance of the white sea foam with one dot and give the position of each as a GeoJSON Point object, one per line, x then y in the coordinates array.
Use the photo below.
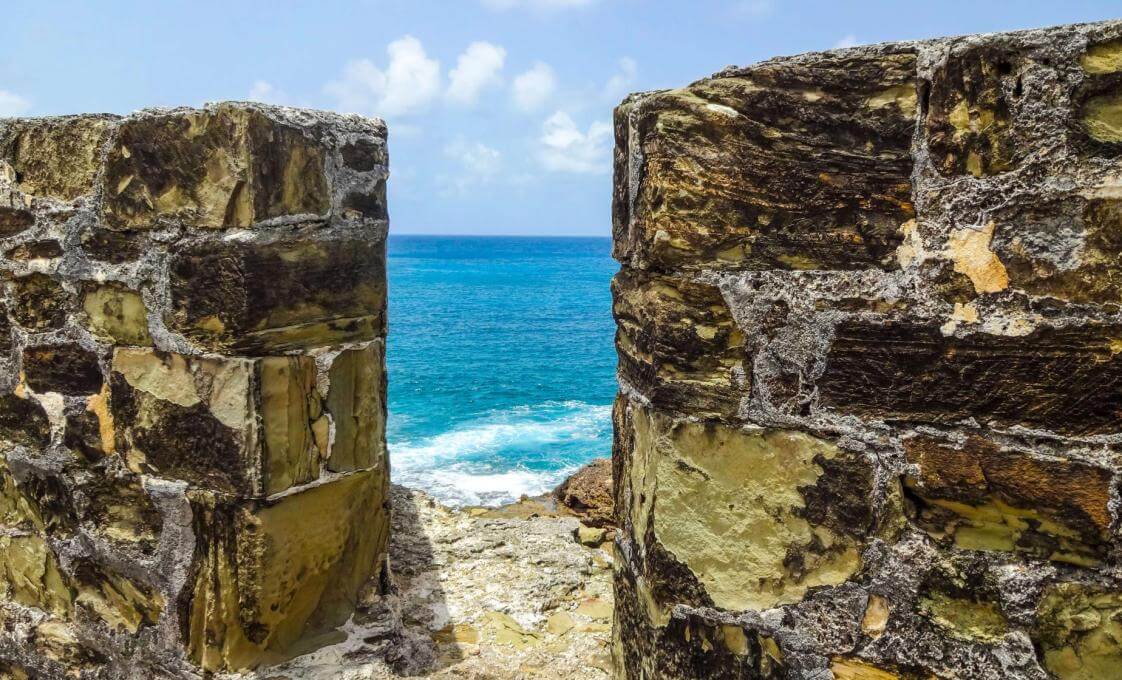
{"type": "Point", "coordinates": [467, 466]}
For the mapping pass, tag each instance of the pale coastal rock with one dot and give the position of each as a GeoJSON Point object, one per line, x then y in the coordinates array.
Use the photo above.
{"type": "Point", "coordinates": [475, 597]}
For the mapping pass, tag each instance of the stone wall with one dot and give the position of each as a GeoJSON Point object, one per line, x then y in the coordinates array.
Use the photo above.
{"type": "Point", "coordinates": [870, 361]}
{"type": "Point", "coordinates": [193, 469]}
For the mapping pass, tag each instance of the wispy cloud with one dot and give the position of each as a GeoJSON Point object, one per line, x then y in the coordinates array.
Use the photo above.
{"type": "Point", "coordinates": [11, 104]}
{"type": "Point", "coordinates": [477, 164]}
{"type": "Point", "coordinates": [263, 91]}
{"type": "Point", "coordinates": [477, 69]}
{"type": "Point", "coordinates": [622, 81]}
{"type": "Point", "coordinates": [847, 41]}
{"type": "Point", "coordinates": [532, 89]}
{"type": "Point", "coordinates": [565, 148]}
{"type": "Point", "coordinates": [408, 85]}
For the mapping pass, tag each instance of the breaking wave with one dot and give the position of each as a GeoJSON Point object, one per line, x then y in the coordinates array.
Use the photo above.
{"type": "Point", "coordinates": [501, 455]}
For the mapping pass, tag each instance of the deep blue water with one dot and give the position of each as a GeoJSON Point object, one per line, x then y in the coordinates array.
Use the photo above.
{"type": "Point", "coordinates": [501, 365]}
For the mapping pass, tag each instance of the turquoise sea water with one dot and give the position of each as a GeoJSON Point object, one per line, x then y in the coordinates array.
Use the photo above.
{"type": "Point", "coordinates": [501, 365]}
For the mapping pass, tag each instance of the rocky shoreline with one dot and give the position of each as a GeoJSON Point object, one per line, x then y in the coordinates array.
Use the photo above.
{"type": "Point", "coordinates": [519, 591]}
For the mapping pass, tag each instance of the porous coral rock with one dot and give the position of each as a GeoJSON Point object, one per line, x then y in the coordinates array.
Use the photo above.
{"type": "Point", "coordinates": [870, 362]}
{"type": "Point", "coordinates": [178, 285]}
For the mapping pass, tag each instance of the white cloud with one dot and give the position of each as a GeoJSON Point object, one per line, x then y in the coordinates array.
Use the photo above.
{"type": "Point", "coordinates": [409, 84]}
{"type": "Point", "coordinates": [479, 164]}
{"type": "Point", "coordinates": [502, 5]}
{"type": "Point", "coordinates": [11, 104]}
{"type": "Point", "coordinates": [533, 88]}
{"type": "Point", "coordinates": [622, 80]}
{"type": "Point", "coordinates": [477, 69]}
{"type": "Point", "coordinates": [566, 149]}
{"type": "Point", "coordinates": [264, 91]}
{"type": "Point", "coordinates": [848, 41]}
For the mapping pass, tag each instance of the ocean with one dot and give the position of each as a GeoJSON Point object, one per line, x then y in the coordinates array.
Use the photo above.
{"type": "Point", "coordinates": [501, 363]}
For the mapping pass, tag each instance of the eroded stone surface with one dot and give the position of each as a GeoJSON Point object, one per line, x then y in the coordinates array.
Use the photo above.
{"type": "Point", "coordinates": [712, 170]}
{"type": "Point", "coordinates": [1080, 629]}
{"type": "Point", "coordinates": [730, 508]}
{"type": "Point", "coordinates": [868, 422]}
{"type": "Point", "coordinates": [226, 166]}
{"type": "Point", "coordinates": [275, 574]}
{"type": "Point", "coordinates": [1064, 380]}
{"type": "Point", "coordinates": [178, 286]}
{"type": "Point", "coordinates": [989, 498]}
{"type": "Point", "coordinates": [117, 314]}
{"type": "Point", "coordinates": [56, 157]}
{"type": "Point", "coordinates": [294, 293]}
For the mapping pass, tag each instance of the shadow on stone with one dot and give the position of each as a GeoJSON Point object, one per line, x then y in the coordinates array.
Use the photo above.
{"type": "Point", "coordinates": [409, 625]}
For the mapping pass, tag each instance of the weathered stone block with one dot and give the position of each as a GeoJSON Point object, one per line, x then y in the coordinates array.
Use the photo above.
{"type": "Point", "coordinates": [1064, 380]}
{"type": "Point", "coordinates": [14, 221]}
{"type": "Point", "coordinates": [678, 343]}
{"type": "Point", "coordinates": [969, 120]}
{"type": "Point", "coordinates": [39, 302]}
{"type": "Point", "coordinates": [23, 421]}
{"type": "Point", "coordinates": [1080, 630]}
{"type": "Point", "coordinates": [986, 497]}
{"type": "Point", "coordinates": [711, 172]}
{"type": "Point", "coordinates": [274, 575]}
{"type": "Point", "coordinates": [298, 292]}
{"type": "Point", "coordinates": [356, 402]}
{"type": "Point", "coordinates": [1069, 249]}
{"type": "Point", "coordinates": [116, 314]}
{"type": "Point", "coordinates": [55, 157]}
{"type": "Point", "coordinates": [224, 166]}
{"type": "Point", "coordinates": [747, 518]}
{"type": "Point", "coordinates": [48, 249]}
{"type": "Point", "coordinates": [66, 369]}
{"type": "Point", "coordinates": [241, 426]}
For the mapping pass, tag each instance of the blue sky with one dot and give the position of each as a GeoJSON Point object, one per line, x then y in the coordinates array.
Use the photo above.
{"type": "Point", "coordinates": [499, 110]}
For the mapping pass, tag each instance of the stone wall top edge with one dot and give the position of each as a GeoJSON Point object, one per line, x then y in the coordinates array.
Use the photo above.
{"type": "Point", "coordinates": [1047, 36]}
{"type": "Point", "coordinates": [291, 115]}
